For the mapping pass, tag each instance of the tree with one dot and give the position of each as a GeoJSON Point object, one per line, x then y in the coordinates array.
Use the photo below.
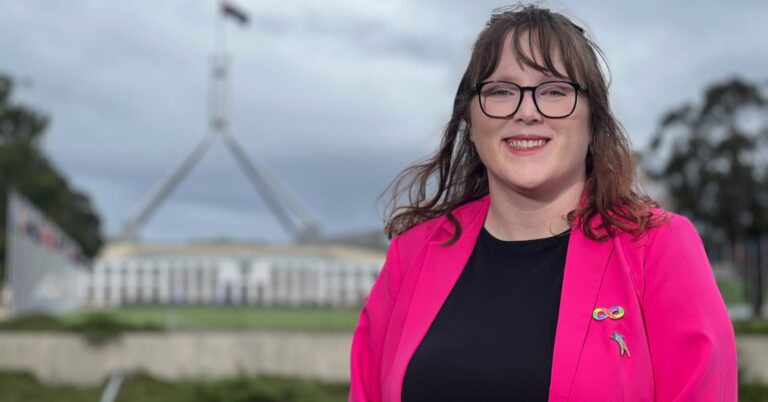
{"type": "Point", "coordinates": [25, 168]}
{"type": "Point", "coordinates": [712, 159]}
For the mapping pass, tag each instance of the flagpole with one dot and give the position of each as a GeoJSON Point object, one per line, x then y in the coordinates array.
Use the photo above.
{"type": "Point", "coordinates": [219, 75]}
{"type": "Point", "coordinates": [277, 198]}
{"type": "Point", "coordinates": [220, 34]}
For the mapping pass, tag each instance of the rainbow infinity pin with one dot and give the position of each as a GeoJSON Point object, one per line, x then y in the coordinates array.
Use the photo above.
{"type": "Point", "coordinates": [613, 313]}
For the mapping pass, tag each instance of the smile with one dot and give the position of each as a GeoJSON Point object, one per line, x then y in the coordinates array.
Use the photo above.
{"type": "Point", "coordinates": [526, 144]}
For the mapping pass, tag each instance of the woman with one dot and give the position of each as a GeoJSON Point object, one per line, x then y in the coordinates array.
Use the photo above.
{"type": "Point", "coordinates": [535, 270]}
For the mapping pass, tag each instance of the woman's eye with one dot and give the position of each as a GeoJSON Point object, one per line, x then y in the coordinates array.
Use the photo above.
{"type": "Point", "coordinates": [501, 92]}
{"type": "Point", "coordinates": [553, 91]}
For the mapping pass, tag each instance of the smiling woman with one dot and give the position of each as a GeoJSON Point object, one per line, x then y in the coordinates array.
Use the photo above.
{"type": "Point", "coordinates": [526, 264]}
{"type": "Point", "coordinates": [533, 148]}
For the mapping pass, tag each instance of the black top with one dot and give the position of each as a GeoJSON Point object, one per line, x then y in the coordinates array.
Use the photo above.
{"type": "Point", "coordinates": [493, 338]}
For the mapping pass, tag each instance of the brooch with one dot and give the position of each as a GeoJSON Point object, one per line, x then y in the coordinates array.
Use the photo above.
{"type": "Point", "coordinates": [613, 313]}
{"type": "Point", "coordinates": [622, 346]}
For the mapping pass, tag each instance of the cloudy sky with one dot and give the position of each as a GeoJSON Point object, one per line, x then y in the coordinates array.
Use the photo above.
{"type": "Point", "coordinates": [335, 97]}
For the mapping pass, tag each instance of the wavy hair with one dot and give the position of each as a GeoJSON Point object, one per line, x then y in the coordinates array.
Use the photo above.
{"type": "Point", "coordinates": [454, 175]}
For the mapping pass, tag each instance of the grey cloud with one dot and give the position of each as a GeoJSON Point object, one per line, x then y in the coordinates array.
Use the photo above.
{"type": "Point", "coordinates": [369, 36]}
{"type": "Point", "coordinates": [333, 100]}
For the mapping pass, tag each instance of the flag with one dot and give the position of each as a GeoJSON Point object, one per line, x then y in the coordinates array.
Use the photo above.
{"type": "Point", "coordinates": [231, 10]}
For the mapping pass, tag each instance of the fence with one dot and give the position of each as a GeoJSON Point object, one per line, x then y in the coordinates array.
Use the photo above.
{"type": "Point", "coordinates": [45, 269]}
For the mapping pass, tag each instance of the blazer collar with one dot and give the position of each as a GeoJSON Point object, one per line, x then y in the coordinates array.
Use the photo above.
{"type": "Point", "coordinates": [439, 271]}
{"type": "Point", "coordinates": [585, 264]}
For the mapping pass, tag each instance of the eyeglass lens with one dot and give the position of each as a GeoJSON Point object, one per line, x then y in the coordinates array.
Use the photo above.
{"type": "Point", "coordinates": [552, 99]}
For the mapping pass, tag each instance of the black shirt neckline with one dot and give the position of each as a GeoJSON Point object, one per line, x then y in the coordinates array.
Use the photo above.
{"type": "Point", "coordinates": [525, 246]}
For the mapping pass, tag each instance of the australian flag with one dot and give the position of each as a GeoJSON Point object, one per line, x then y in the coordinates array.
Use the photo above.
{"type": "Point", "coordinates": [233, 11]}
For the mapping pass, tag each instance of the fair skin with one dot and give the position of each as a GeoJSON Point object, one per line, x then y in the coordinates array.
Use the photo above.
{"type": "Point", "coordinates": [533, 190]}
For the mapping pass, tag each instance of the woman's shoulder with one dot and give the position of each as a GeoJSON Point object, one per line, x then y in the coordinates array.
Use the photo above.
{"type": "Point", "coordinates": [438, 227]}
{"type": "Point", "coordinates": [421, 232]}
{"type": "Point", "coordinates": [665, 228]}
{"type": "Point", "coordinates": [671, 245]}
{"type": "Point", "coordinates": [668, 223]}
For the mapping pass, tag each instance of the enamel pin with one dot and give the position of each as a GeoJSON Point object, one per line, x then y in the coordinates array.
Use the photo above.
{"type": "Point", "coordinates": [613, 313]}
{"type": "Point", "coordinates": [622, 346]}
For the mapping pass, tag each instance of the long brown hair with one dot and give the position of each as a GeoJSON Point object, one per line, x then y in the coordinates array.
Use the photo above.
{"type": "Point", "coordinates": [454, 174]}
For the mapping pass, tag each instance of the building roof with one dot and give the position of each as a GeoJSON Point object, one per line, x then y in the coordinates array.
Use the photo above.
{"type": "Point", "coordinates": [122, 249]}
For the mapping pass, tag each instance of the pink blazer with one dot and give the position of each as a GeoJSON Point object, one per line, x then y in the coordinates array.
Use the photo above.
{"type": "Point", "coordinates": [679, 338]}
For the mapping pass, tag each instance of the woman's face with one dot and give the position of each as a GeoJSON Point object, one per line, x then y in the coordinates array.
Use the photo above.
{"type": "Point", "coordinates": [556, 162]}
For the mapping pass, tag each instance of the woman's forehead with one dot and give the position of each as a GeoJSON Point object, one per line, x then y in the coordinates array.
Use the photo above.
{"type": "Point", "coordinates": [523, 55]}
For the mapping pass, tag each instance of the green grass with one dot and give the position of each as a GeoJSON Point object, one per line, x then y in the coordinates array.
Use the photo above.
{"type": "Point", "coordinates": [101, 327]}
{"type": "Point", "coordinates": [97, 329]}
{"type": "Point", "coordinates": [732, 290]}
{"type": "Point", "coordinates": [757, 327]}
{"type": "Point", "coordinates": [753, 392]}
{"type": "Point", "coordinates": [16, 387]}
{"type": "Point", "coordinates": [230, 318]}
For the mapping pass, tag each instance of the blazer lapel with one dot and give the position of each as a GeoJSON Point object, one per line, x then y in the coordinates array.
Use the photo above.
{"type": "Point", "coordinates": [585, 265]}
{"type": "Point", "coordinates": [440, 270]}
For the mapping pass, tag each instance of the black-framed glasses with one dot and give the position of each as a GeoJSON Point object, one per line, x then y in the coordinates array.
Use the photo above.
{"type": "Point", "coordinates": [553, 99]}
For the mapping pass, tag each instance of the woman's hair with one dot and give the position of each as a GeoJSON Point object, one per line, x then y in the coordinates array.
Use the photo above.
{"type": "Point", "coordinates": [455, 175]}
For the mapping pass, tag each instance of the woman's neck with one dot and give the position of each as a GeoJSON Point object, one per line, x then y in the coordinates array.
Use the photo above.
{"type": "Point", "coordinates": [516, 216]}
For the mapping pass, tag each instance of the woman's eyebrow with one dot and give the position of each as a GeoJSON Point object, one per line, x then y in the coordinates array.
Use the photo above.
{"type": "Point", "coordinates": [506, 77]}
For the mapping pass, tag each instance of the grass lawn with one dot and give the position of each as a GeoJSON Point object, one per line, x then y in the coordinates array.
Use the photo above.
{"type": "Point", "coordinates": [282, 318]}
{"type": "Point", "coordinates": [230, 317]}
{"type": "Point", "coordinates": [732, 290]}
{"type": "Point", "coordinates": [18, 387]}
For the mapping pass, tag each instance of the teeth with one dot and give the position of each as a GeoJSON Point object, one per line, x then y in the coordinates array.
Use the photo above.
{"type": "Point", "coordinates": [526, 144]}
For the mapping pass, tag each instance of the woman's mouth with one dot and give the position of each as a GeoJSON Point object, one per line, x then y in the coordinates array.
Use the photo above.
{"type": "Point", "coordinates": [525, 146]}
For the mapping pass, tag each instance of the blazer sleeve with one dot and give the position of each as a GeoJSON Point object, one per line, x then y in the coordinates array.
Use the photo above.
{"type": "Point", "coordinates": [690, 335]}
{"type": "Point", "coordinates": [368, 338]}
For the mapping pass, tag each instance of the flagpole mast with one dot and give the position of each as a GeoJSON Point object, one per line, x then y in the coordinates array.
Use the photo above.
{"type": "Point", "coordinates": [220, 34]}
{"type": "Point", "coordinates": [277, 198]}
{"type": "Point", "coordinates": [219, 75]}
{"type": "Point", "coordinates": [221, 87]}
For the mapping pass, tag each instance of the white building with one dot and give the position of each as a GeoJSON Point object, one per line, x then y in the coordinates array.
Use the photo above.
{"type": "Point", "coordinates": [235, 274]}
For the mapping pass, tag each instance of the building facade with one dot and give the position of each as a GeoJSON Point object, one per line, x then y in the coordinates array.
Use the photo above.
{"type": "Point", "coordinates": [232, 274]}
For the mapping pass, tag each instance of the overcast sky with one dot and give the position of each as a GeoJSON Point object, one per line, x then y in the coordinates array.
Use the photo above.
{"type": "Point", "coordinates": [335, 97]}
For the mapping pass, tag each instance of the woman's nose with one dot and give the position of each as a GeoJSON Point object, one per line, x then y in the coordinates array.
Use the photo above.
{"type": "Point", "coordinates": [528, 112]}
